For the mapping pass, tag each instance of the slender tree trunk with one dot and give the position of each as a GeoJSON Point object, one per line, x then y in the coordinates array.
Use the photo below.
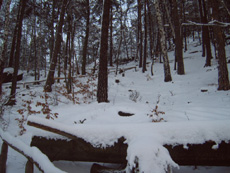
{"type": "Point", "coordinates": [167, 73]}
{"type": "Point", "coordinates": [5, 42]}
{"type": "Point", "coordinates": [178, 40]}
{"type": "Point", "coordinates": [50, 77]}
{"type": "Point", "coordinates": [86, 39]}
{"type": "Point", "coordinates": [13, 44]}
{"type": "Point", "coordinates": [223, 79]}
{"type": "Point", "coordinates": [12, 100]}
{"type": "Point", "coordinates": [111, 37]}
{"type": "Point", "coordinates": [52, 29]}
{"type": "Point", "coordinates": [207, 37]}
{"type": "Point", "coordinates": [203, 31]}
{"type": "Point", "coordinates": [145, 39]}
{"type": "Point", "coordinates": [3, 157]}
{"type": "Point", "coordinates": [102, 87]}
{"type": "Point", "coordinates": [140, 37]}
{"type": "Point", "coordinates": [184, 29]}
{"type": "Point", "coordinates": [150, 20]}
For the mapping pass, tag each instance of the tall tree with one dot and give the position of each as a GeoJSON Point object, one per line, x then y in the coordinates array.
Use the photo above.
{"type": "Point", "coordinates": [167, 73]}
{"type": "Point", "coordinates": [145, 38]}
{"type": "Point", "coordinates": [205, 32]}
{"type": "Point", "coordinates": [102, 87]}
{"type": "Point", "coordinates": [178, 39]}
{"type": "Point", "coordinates": [5, 42]}
{"type": "Point", "coordinates": [223, 79]}
{"type": "Point", "coordinates": [12, 100]}
{"type": "Point", "coordinates": [50, 77]}
{"type": "Point", "coordinates": [139, 34]}
{"type": "Point", "coordinates": [85, 46]}
{"type": "Point", "coordinates": [111, 37]}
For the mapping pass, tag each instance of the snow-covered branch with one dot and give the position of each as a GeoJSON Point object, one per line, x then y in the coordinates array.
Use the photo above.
{"type": "Point", "coordinates": [33, 154]}
{"type": "Point", "coordinates": [211, 23]}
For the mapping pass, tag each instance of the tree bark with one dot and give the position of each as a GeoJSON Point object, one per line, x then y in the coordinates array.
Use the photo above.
{"type": "Point", "coordinates": [223, 79]}
{"type": "Point", "coordinates": [167, 73]}
{"type": "Point", "coordinates": [207, 38]}
{"type": "Point", "coordinates": [140, 37]}
{"type": "Point", "coordinates": [111, 37]}
{"type": "Point", "coordinates": [102, 86]}
{"type": "Point", "coordinates": [3, 157]}
{"type": "Point", "coordinates": [178, 40]}
{"type": "Point", "coordinates": [12, 100]}
{"type": "Point", "coordinates": [5, 42]}
{"type": "Point", "coordinates": [145, 39]}
{"type": "Point", "coordinates": [50, 77]}
{"type": "Point", "coordinates": [86, 39]}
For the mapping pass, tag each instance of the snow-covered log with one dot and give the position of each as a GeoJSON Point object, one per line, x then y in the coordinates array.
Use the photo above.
{"type": "Point", "coordinates": [78, 149]}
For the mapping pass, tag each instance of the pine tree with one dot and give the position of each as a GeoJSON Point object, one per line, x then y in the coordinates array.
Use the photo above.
{"type": "Point", "coordinates": [102, 87]}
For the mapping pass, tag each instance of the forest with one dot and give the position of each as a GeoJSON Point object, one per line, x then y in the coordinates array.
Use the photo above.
{"type": "Point", "coordinates": [97, 57]}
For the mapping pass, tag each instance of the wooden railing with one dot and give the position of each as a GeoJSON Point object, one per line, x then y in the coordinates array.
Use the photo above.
{"type": "Point", "coordinates": [33, 154]}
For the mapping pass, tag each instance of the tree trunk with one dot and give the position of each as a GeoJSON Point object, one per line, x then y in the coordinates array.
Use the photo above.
{"type": "Point", "coordinates": [140, 37]}
{"type": "Point", "coordinates": [167, 73]}
{"type": "Point", "coordinates": [102, 87]}
{"type": "Point", "coordinates": [207, 38]}
{"type": "Point", "coordinates": [51, 42]}
{"type": "Point", "coordinates": [185, 29]}
{"type": "Point", "coordinates": [145, 39]}
{"type": "Point", "coordinates": [150, 20]}
{"type": "Point", "coordinates": [5, 41]}
{"type": "Point", "coordinates": [3, 157]}
{"type": "Point", "coordinates": [50, 77]}
{"type": "Point", "coordinates": [86, 39]}
{"type": "Point", "coordinates": [223, 80]}
{"type": "Point", "coordinates": [12, 100]}
{"type": "Point", "coordinates": [202, 21]}
{"type": "Point", "coordinates": [111, 37]}
{"type": "Point", "coordinates": [178, 40]}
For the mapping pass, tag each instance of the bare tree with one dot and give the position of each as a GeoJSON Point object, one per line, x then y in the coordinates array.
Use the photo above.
{"type": "Point", "coordinates": [223, 80]}
{"type": "Point", "coordinates": [12, 100]}
{"type": "Point", "coordinates": [85, 46]}
{"type": "Point", "coordinates": [5, 42]}
{"type": "Point", "coordinates": [178, 39]}
{"type": "Point", "coordinates": [50, 77]}
{"type": "Point", "coordinates": [167, 72]}
{"type": "Point", "coordinates": [102, 87]}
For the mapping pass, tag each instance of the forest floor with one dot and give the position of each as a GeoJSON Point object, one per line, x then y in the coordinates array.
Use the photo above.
{"type": "Point", "coordinates": [162, 112]}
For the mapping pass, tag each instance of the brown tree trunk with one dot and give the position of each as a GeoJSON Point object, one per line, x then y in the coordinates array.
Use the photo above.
{"type": "Point", "coordinates": [167, 73]}
{"type": "Point", "coordinates": [50, 77]}
{"type": "Point", "coordinates": [3, 157]}
{"type": "Point", "coordinates": [51, 43]}
{"type": "Point", "coordinates": [12, 100]}
{"type": "Point", "coordinates": [86, 39]}
{"type": "Point", "coordinates": [140, 37]}
{"type": "Point", "coordinates": [207, 38]}
{"type": "Point", "coordinates": [178, 40]}
{"type": "Point", "coordinates": [111, 37]}
{"type": "Point", "coordinates": [5, 41]}
{"type": "Point", "coordinates": [223, 80]}
{"type": "Point", "coordinates": [150, 30]}
{"type": "Point", "coordinates": [102, 87]}
{"type": "Point", "coordinates": [145, 39]}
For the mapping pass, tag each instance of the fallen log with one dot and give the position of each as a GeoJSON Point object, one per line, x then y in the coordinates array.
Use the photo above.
{"type": "Point", "coordinates": [77, 149]}
{"type": "Point", "coordinates": [80, 150]}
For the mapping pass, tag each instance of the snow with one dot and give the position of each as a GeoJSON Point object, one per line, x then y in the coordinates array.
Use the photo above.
{"type": "Point", "coordinates": [188, 115]}
{"type": "Point", "coordinates": [31, 152]}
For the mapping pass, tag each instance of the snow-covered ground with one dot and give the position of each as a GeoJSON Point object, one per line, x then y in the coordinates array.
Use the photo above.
{"type": "Point", "coordinates": [186, 114]}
